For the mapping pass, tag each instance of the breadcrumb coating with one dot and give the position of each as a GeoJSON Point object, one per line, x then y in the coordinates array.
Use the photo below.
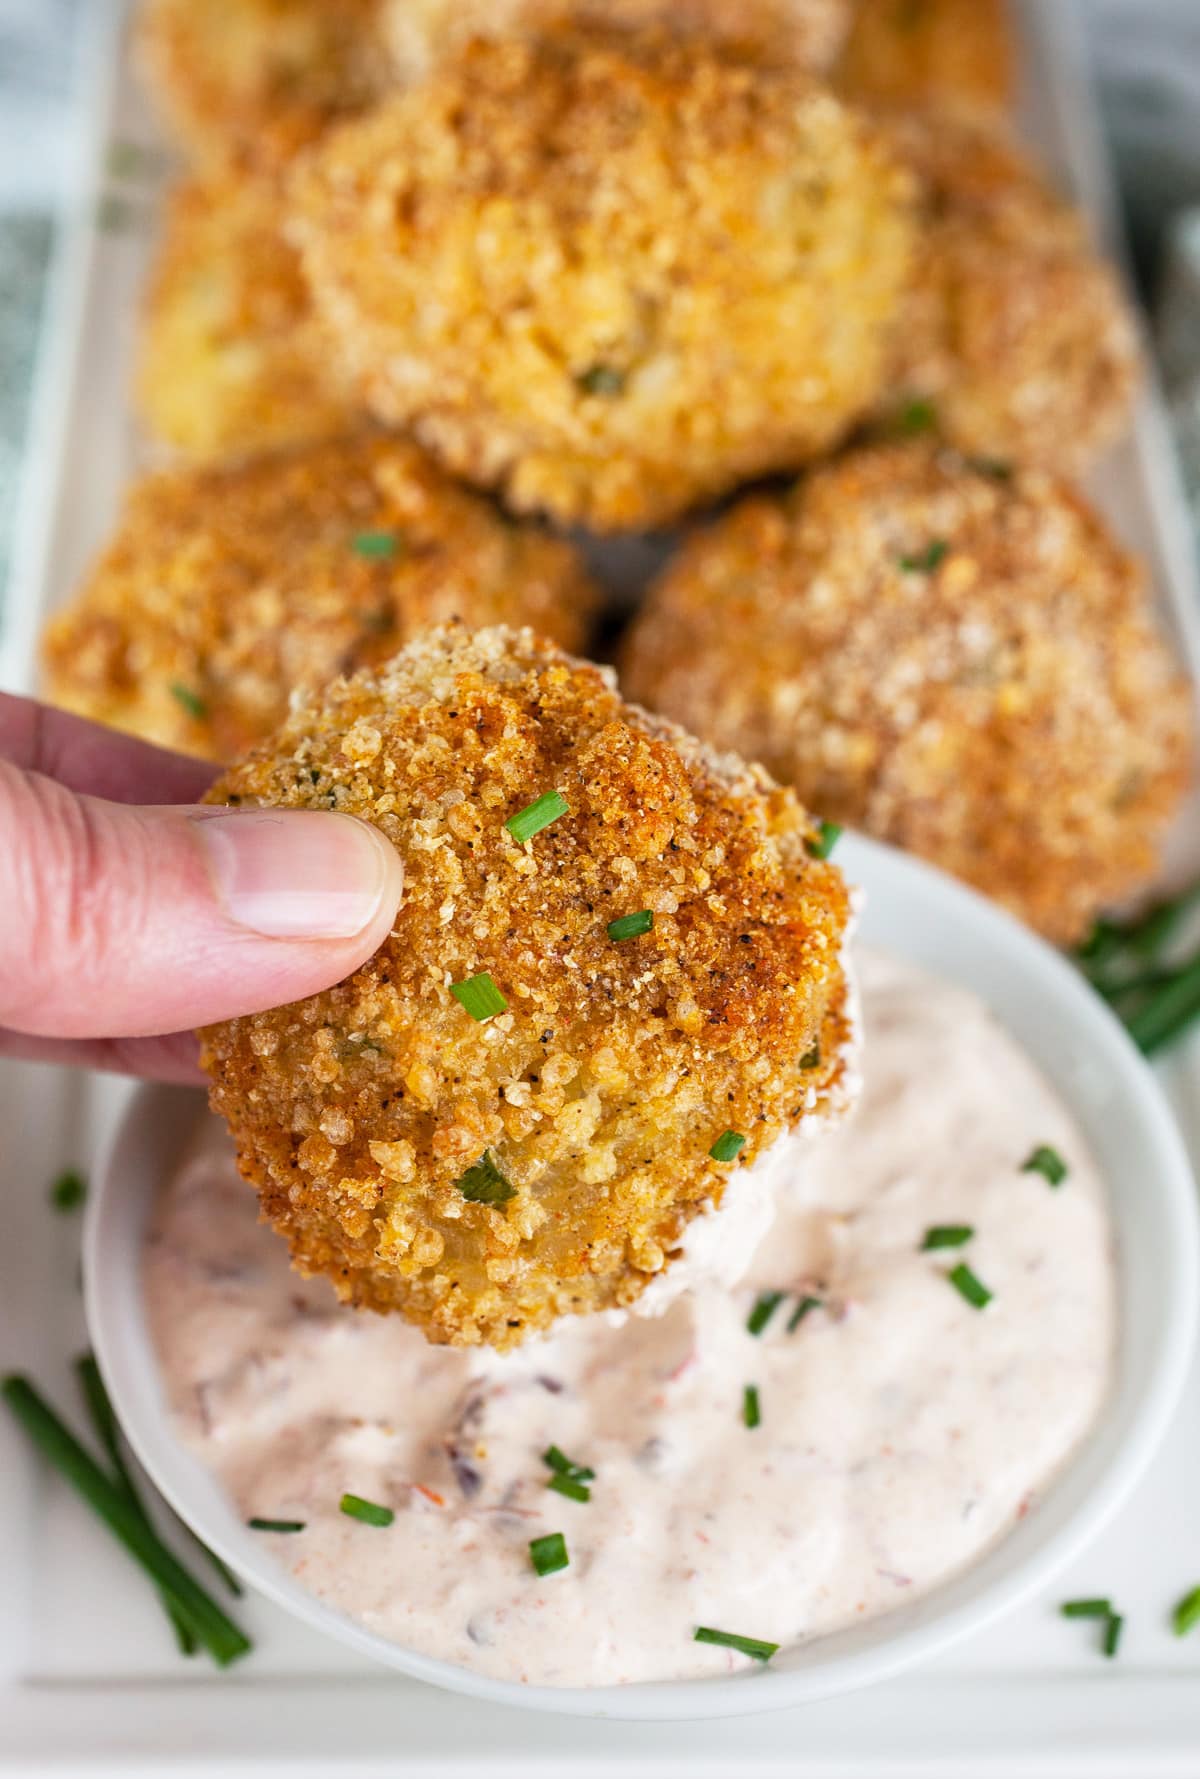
{"type": "Point", "coordinates": [248, 82]}
{"type": "Point", "coordinates": [930, 53]}
{"type": "Point", "coordinates": [954, 658]}
{"type": "Point", "coordinates": [594, 1098]}
{"type": "Point", "coordinates": [224, 589]}
{"type": "Point", "coordinates": [610, 274]}
{"type": "Point", "coordinates": [232, 359]}
{"type": "Point", "coordinates": [1015, 329]}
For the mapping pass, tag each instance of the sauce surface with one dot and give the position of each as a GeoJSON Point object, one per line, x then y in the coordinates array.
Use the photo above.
{"type": "Point", "coordinates": [902, 1431]}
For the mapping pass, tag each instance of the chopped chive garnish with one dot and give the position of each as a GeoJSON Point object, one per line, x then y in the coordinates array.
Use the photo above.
{"type": "Point", "coordinates": [484, 1184]}
{"type": "Point", "coordinates": [946, 1235]}
{"type": "Point", "coordinates": [601, 379]}
{"type": "Point", "coordinates": [1096, 1608]}
{"type": "Point", "coordinates": [191, 701]}
{"type": "Point", "coordinates": [727, 1146]}
{"type": "Point", "coordinates": [479, 996]}
{"type": "Point", "coordinates": [1112, 1634]}
{"type": "Point", "coordinates": [559, 1461]}
{"type": "Point", "coordinates": [998, 468]}
{"type": "Point", "coordinates": [827, 836]}
{"type": "Point", "coordinates": [751, 1412]}
{"type": "Point", "coordinates": [765, 1305]}
{"type": "Point", "coordinates": [549, 1554]}
{"type": "Point", "coordinates": [69, 1190]}
{"type": "Point", "coordinates": [204, 1618]}
{"type": "Point", "coordinates": [631, 926]}
{"type": "Point", "coordinates": [374, 543]}
{"type": "Point", "coordinates": [369, 1512]}
{"type": "Point", "coordinates": [1047, 1162]}
{"type": "Point", "coordinates": [536, 815]}
{"type": "Point", "coordinates": [762, 1652]}
{"type": "Point", "coordinates": [569, 1486]}
{"type": "Point", "coordinates": [1186, 1615]}
{"type": "Point", "coordinates": [916, 417]}
{"type": "Point", "coordinates": [927, 561]}
{"type": "Point", "coordinates": [811, 1059]}
{"type": "Point", "coordinates": [257, 1525]}
{"type": "Point", "coordinates": [968, 1286]}
{"type": "Point", "coordinates": [805, 1307]}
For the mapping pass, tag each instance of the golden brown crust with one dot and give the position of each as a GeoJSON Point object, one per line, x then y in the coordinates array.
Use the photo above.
{"type": "Point", "coordinates": [225, 589]}
{"type": "Point", "coordinates": [616, 1066]}
{"type": "Point", "coordinates": [1015, 328]}
{"type": "Point", "coordinates": [232, 359]}
{"type": "Point", "coordinates": [248, 82]}
{"type": "Point", "coordinates": [1004, 708]}
{"type": "Point", "coordinates": [611, 274]}
{"type": "Point", "coordinates": [930, 53]}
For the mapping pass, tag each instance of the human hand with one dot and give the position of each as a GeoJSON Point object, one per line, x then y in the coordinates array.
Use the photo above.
{"type": "Point", "coordinates": [129, 916]}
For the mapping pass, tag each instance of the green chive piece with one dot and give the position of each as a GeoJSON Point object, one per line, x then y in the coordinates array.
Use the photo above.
{"type": "Point", "coordinates": [727, 1146]}
{"type": "Point", "coordinates": [549, 1554]}
{"type": "Point", "coordinates": [204, 1618]}
{"type": "Point", "coordinates": [804, 1308]}
{"type": "Point", "coordinates": [601, 379]}
{"type": "Point", "coordinates": [827, 837]}
{"type": "Point", "coordinates": [765, 1305]}
{"type": "Point", "coordinates": [191, 701]}
{"type": "Point", "coordinates": [69, 1190]}
{"type": "Point", "coordinates": [762, 1652]}
{"type": "Point", "coordinates": [927, 561]}
{"type": "Point", "coordinates": [369, 1512]}
{"type": "Point", "coordinates": [631, 926]}
{"type": "Point", "coordinates": [751, 1412]}
{"type": "Point", "coordinates": [559, 1461]}
{"type": "Point", "coordinates": [1112, 1634]}
{"type": "Point", "coordinates": [480, 996]}
{"type": "Point", "coordinates": [811, 1058]}
{"type": "Point", "coordinates": [484, 1184]}
{"type": "Point", "coordinates": [1186, 1615]}
{"type": "Point", "coordinates": [998, 468]}
{"type": "Point", "coordinates": [916, 417]}
{"type": "Point", "coordinates": [569, 1486]}
{"type": "Point", "coordinates": [946, 1235]}
{"type": "Point", "coordinates": [1170, 1011]}
{"type": "Point", "coordinates": [968, 1286]}
{"type": "Point", "coordinates": [1047, 1162]}
{"type": "Point", "coordinates": [536, 815]}
{"type": "Point", "coordinates": [1096, 1608]}
{"type": "Point", "coordinates": [374, 543]}
{"type": "Point", "coordinates": [258, 1525]}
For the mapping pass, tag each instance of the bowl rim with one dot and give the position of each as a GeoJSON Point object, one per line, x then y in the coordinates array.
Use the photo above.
{"type": "Point", "coordinates": [1132, 1429]}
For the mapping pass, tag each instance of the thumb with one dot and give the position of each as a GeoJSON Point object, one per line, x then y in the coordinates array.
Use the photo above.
{"type": "Point", "coordinates": [121, 921]}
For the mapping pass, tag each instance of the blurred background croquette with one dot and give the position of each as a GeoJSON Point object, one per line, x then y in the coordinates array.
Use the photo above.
{"type": "Point", "coordinates": [225, 589]}
{"type": "Point", "coordinates": [954, 657]}
{"type": "Point", "coordinates": [610, 274]}
{"type": "Point", "coordinates": [231, 359]}
{"type": "Point", "coordinates": [616, 953]}
{"type": "Point", "coordinates": [1015, 331]}
{"type": "Point", "coordinates": [935, 54]}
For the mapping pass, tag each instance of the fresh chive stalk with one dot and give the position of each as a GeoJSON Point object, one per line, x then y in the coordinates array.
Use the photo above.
{"type": "Point", "coordinates": [728, 1146]}
{"type": "Point", "coordinates": [631, 926]}
{"type": "Point", "coordinates": [208, 1623]}
{"type": "Point", "coordinates": [827, 836]}
{"type": "Point", "coordinates": [1048, 1162]}
{"type": "Point", "coordinates": [549, 1553]}
{"type": "Point", "coordinates": [537, 815]}
{"type": "Point", "coordinates": [969, 1287]}
{"type": "Point", "coordinates": [1090, 1608]}
{"type": "Point", "coordinates": [1186, 1615]}
{"type": "Point", "coordinates": [260, 1525]}
{"type": "Point", "coordinates": [751, 1408]}
{"type": "Point", "coordinates": [928, 560]}
{"type": "Point", "coordinates": [371, 1513]}
{"type": "Point", "coordinates": [765, 1305]}
{"type": "Point", "coordinates": [377, 544]}
{"type": "Point", "coordinates": [805, 1307]}
{"type": "Point", "coordinates": [68, 1191]}
{"type": "Point", "coordinates": [479, 996]}
{"type": "Point", "coordinates": [946, 1235]}
{"type": "Point", "coordinates": [191, 701]}
{"type": "Point", "coordinates": [1112, 1634]}
{"type": "Point", "coordinates": [570, 1486]}
{"type": "Point", "coordinates": [484, 1184]}
{"type": "Point", "coordinates": [754, 1646]}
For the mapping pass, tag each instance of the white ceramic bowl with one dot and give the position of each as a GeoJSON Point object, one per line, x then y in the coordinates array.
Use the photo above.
{"type": "Point", "coordinates": [925, 917]}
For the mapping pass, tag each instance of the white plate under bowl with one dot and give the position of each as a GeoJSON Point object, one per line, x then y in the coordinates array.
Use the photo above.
{"type": "Point", "coordinates": [933, 922]}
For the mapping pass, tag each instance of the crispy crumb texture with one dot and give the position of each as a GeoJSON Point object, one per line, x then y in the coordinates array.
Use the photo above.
{"type": "Point", "coordinates": [610, 274]}
{"type": "Point", "coordinates": [938, 53]}
{"type": "Point", "coordinates": [226, 589]}
{"type": "Point", "coordinates": [484, 1178]}
{"type": "Point", "coordinates": [956, 657]}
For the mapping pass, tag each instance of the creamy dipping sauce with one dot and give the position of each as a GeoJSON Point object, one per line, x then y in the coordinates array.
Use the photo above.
{"type": "Point", "coordinates": [902, 1431]}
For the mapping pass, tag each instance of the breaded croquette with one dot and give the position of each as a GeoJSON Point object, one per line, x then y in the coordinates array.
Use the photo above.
{"type": "Point", "coordinates": [1015, 330]}
{"type": "Point", "coordinates": [225, 589]}
{"type": "Point", "coordinates": [954, 656]}
{"type": "Point", "coordinates": [617, 966]}
{"type": "Point", "coordinates": [937, 54]}
{"type": "Point", "coordinates": [248, 82]}
{"type": "Point", "coordinates": [231, 359]}
{"type": "Point", "coordinates": [610, 274]}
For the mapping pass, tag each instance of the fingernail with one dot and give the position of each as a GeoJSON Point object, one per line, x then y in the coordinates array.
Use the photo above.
{"type": "Point", "coordinates": [299, 873]}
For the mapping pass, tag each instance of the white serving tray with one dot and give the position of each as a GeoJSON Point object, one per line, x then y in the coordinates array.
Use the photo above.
{"type": "Point", "coordinates": [89, 1679]}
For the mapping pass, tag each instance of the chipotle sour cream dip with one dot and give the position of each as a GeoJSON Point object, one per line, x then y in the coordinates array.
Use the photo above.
{"type": "Point", "coordinates": [902, 1430]}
